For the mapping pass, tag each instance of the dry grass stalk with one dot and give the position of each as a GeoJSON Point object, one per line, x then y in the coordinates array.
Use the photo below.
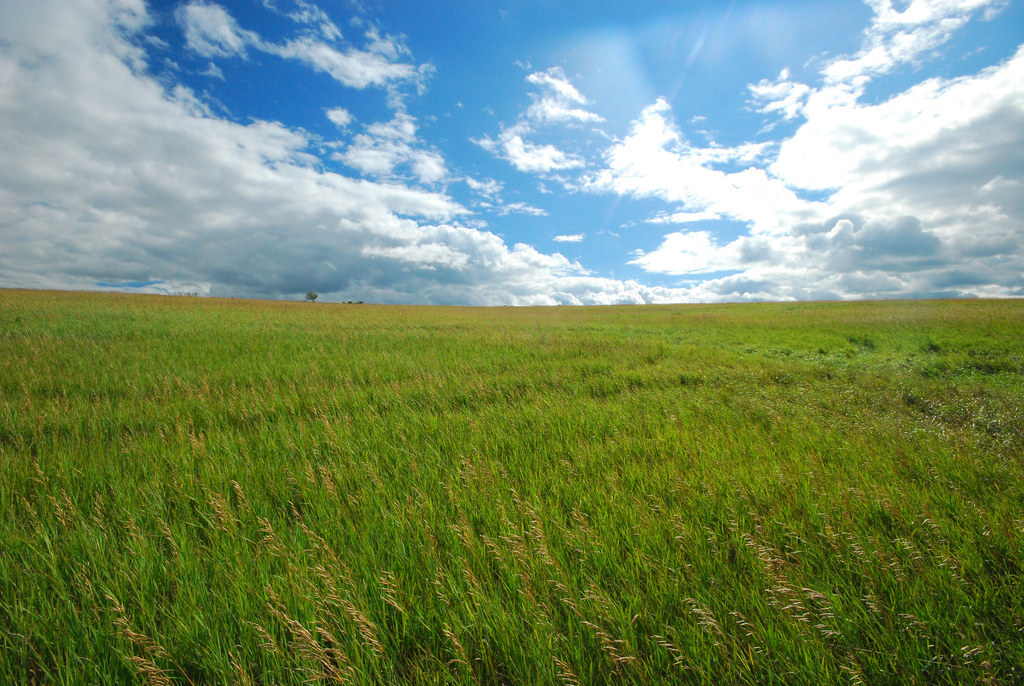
{"type": "Point", "coordinates": [515, 540]}
{"type": "Point", "coordinates": [242, 677]}
{"type": "Point", "coordinates": [748, 631]}
{"type": "Point", "coordinates": [371, 472]}
{"type": "Point", "coordinates": [329, 580]}
{"type": "Point", "coordinates": [65, 512]}
{"type": "Point", "coordinates": [33, 516]}
{"type": "Point", "coordinates": [243, 503]}
{"type": "Point", "coordinates": [541, 539]}
{"type": "Point", "coordinates": [673, 651]}
{"type": "Point", "coordinates": [853, 673]}
{"type": "Point", "coordinates": [611, 646]}
{"type": "Point", "coordinates": [439, 586]}
{"type": "Point", "coordinates": [144, 664]}
{"type": "Point", "coordinates": [872, 603]}
{"type": "Point", "coordinates": [38, 477]}
{"type": "Point", "coordinates": [565, 673]}
{"type": "Point", "coordinates": [221, 511]}
{"type": "Point", "coordinates": [169, 537]}
{"type": "Point", "coordinates": [473, 586]}
{"type": "Point", "coordinates": [367, 629]}
{"type": "Point", "coordinates": [495, 552]}
{"type": "Point", "coordinates": [328, 481]}
{"type": "Point", "coordinates": [389, 590]}
{"type": "Point", "coordinates": [460, 652]}
{"type": "Point", "coordinates": [98, 513]}
{"type": "Point", "coordinates": [706, 619]}
{"type": "Point", "coordinates": [270, 540]}
{"type": "Point", "coordinates": [267, 642]}
{"type": "Point", "coordinates": [593, 596]}
{"type": "Point", "coordinates": [581, 523]}
{"type": "Point", "coordinates": [333, 663]}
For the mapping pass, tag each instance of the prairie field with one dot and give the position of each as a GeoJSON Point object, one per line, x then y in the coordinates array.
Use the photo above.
{"type": "Point", "coordinates": [201, 491]}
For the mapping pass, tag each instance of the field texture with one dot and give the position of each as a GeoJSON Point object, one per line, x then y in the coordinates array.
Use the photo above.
{"type": "Point", "coordinates": [204, 491]}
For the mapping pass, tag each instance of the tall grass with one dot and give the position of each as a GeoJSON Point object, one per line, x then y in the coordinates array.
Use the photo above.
{"type": "Point", "coordinates": [202, 491]}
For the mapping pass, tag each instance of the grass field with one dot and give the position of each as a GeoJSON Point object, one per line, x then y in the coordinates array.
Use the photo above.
{"type": "Point", "coordinates": [200, 491]}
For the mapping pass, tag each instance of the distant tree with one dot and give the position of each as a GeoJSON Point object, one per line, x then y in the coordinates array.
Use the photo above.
{"type": "Point", "coordinates": [311, 296]}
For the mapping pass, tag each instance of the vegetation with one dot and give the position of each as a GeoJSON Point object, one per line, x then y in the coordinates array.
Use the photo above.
{"type": "Point", "coordinates": [200, 491]}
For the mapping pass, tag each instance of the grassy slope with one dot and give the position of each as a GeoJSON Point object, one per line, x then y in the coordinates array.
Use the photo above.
{"type": "Point", "coordinates": [207, 491]}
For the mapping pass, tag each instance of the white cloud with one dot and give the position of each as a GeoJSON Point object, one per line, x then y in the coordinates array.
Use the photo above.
{"type": "Point", "coordinates": [489, 188]}
{"type": "Point", "coordinates": [921, 192]}
{"type": "Point", "coordinates": [428, 255]}
{"type": "Point", "coordinates": [310, 15]}
{"type": "Point", "coordinates": [682, 217]}
{"type": "Point", "coordinates": [557, 103]}
{"type": "Point", "coordinates": [351, 67]}
{"type": "Point", "coordinates": [108, 177]}
{"type": "Point", "coordinates": [340, 117]}
{"type": "Point", "coordinates": [401, 128]}
{"type": "Point", "coordinates": [386, 145]}
{"type": "Point", "coordinates": [654, 160]}
{"type": "Point", "coordinates": [898, 37]}
{"type": "Point", "coordinates": [924, 152]}
{"type": "Point", "coordinates": [570, 238]}
{"type": "Point", "coordinates": [214, 72]}
{"type": "Point", "coordinates": [390, 47]}
{"type": "Point", "coordinates": [697, 252]}
{"type": "Point", "coordinates": [212, 32]}
{"type": "Point", "coordinates": [428, 166]}
{"type": "Point", "coordinates": [781, 95]}
{"type": "Point", "coordinates": [529, 157]}
{"type": "Point", "coordinates": [491, 191]}
{"type": "Point", "coordinates": [894, 38]}
{"type": "Point", "coordinates": [522, 208]}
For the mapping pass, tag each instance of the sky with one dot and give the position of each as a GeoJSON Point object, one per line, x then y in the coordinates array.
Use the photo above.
{"type": "Point", "coordinates": [516, 152]}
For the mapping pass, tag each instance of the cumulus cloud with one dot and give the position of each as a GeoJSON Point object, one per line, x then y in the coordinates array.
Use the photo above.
{"type": "Point", "coordinates": [681, 217]}
{"type": "Point", "coordinates": [894, 38]}
{"type": "Point", "coordinates": [212, 32]}
{"type": "Point", "coordinates": [969, 124]}
{"type": "Point", "coordinates": [699, 252]}
{"type": "Point", "coordinates": [557, 102]}
{"type": "Point", "coordinates": [213, 71]}
{"type": "Point", "coordinates": [339, 116]}
{"type": "Point", "coordinates": [897, 37]}
{"type": "Point", "coordinates": [309, 14]}
{"type": "Point", "coordinates": [350, 67]}
{"type": "Point", "coordinates": [488, 188]}
{"type": "Point", "coordinates": [111, 178]}
{"type": "Point", "coordinates": [384, 146]}
{"type": "Point", "coordinates": [916, 194]}
{"type": "Point", "coordinates": [933, 172]}
{"type": "Point", "coordinates": [655, 160]}
{"type": "Point", "coordinates": [522, 208]}
{"type": "Point", "coordinates": [491, 192]}
{"type": "Point", "coordinates": [526, 156]}
{"type": "Point", "coordinates": [780, 95]}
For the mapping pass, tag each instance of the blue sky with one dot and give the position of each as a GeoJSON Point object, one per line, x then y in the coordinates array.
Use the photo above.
{"type": "Point", "coordinates": [516, 153]}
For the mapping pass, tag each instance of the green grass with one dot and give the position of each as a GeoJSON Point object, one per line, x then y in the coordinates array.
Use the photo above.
{"type": "Point", "coordinates": [202, 491]}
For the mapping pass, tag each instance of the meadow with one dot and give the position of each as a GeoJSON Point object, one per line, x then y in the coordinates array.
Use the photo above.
{"type": "Point", "coordinates": [200, 491]}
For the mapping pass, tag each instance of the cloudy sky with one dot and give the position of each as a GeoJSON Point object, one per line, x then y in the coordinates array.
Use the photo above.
{"type": "Point", "coordinates": [516, 151]}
